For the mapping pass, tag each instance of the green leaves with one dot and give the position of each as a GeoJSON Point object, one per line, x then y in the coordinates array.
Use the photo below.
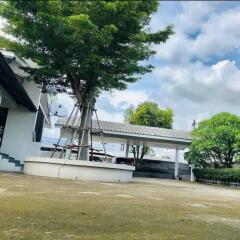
{"type": "Point", "coordinates": [216, 141]}
{"type": "Point", "coordinates": [149, 114]}
{"type": "Point", "coordinates": [92, 45]}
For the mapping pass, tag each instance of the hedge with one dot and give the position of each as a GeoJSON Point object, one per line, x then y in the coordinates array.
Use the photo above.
{"type": "Point", "coordinates": [225, 175]}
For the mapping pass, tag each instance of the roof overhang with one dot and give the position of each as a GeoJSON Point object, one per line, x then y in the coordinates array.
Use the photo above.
{"type": "Point", "coordinates": [135, 134]}
{"type": "Point", "coordinates": [11, 84]}
{"type": "Point", "coordinates": [135, 139]}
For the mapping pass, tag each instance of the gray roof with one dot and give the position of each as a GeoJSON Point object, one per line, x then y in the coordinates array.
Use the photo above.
{"type": "Point", "coordinates": [135, 130]}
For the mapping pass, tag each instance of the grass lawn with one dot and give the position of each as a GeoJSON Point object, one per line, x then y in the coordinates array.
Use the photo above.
{"type": "Point", "coordinates": [43, 208]}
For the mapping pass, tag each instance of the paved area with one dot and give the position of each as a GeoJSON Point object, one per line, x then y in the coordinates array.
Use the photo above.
{"type": "Point", "coordinates": [44, 208]}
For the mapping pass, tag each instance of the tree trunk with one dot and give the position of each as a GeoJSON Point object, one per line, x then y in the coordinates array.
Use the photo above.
{"type": "Point", "coordinates": [84, 128]}
{"type": "Point", "coordinates": [86, 98]}
{"type": "Point", "coordinates": [84, 132]}
{"type": "Point", "coordinates": [138, 153]}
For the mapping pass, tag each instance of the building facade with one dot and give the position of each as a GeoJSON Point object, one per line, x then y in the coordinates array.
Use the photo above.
{"type": "Point", "coordinates": [24, 111]}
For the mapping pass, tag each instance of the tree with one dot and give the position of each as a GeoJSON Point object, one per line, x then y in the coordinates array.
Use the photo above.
{"type": "Point", "coordinates": [216, 142]}
{"type": "Point", "coordinates": [84, 46]}
{"type": "Point", "coordinates": [128, 114]}
{"type": "Point", "coordinates": [147, 114]}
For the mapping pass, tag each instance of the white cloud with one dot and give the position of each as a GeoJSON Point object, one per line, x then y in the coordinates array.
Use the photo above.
{"type": "Point", "coordinates": [200, 83]}
{"type": "Point", "coordinates": [193, 14]}
{"type": "Point", "coordinates": [197, 91]}
{"type": "Point", "coordinates": [202, 31]}
{"type": "Point", "coordinates": [109, 116]}
{"type": "Point", "coordinates": [123, 99]}
{"type": "Point", "coordinates": [220, 35]}
{"type": "Point", "coordinates": [176, 49]}
{"type": "Point", "coordinates": [65, 100]}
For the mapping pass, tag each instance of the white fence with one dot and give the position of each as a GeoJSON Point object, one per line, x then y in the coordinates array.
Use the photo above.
{"type": "Point", "coordinates": [217, 182]}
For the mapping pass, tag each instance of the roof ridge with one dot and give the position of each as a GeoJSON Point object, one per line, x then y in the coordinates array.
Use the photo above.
{"type": "Point", "coordinates": [132, 129]}
{"type": "Point", "coordinates": [137, 125]}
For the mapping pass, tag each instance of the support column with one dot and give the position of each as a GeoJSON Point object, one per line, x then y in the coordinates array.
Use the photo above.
{"type": "Point", "coordinates": [127, 149]}
{"type": "Point", "coordinates": [176, 164]}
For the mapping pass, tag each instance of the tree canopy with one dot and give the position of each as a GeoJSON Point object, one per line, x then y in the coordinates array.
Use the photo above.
{"type": "Point", "coordinates": [82, 46]}
{"type": "Point", "coordinates": [147, 114]}
{"type": "Point", "coordinates": [216, 141]}
{"type": "Point", "coordinates": [85, 46]}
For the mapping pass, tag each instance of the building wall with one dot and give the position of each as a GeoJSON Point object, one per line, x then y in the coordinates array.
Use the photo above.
{"type": "Point", "coordinates": [20, 123]}
{"type": "Point", "coordinates": [18, 135]}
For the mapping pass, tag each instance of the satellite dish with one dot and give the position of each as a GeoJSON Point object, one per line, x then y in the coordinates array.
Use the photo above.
{"type": "Point", "coordinates": [58, 110]}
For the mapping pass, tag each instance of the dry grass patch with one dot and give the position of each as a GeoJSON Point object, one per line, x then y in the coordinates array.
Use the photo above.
{"type": "Point", "coordinates": [53, 209]}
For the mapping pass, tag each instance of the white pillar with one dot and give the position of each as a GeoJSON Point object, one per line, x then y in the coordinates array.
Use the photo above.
{"type": "Point", "coordinates": [176, 163]}
{"type": "Point", "coordinates": [192, 174]}
{"type": "Point", "coordinates": [127, 149]}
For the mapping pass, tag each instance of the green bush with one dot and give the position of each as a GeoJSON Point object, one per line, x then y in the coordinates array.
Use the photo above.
{"type": "Point", "coordinates": [225, 175]}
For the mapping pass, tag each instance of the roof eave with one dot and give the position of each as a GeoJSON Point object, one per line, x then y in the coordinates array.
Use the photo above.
{"type": "Point", "coordinates": [11, 83]}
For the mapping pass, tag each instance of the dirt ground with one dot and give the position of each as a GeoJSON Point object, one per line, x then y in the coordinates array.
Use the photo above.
{"type": "Point", "coordinates": [150, 209]}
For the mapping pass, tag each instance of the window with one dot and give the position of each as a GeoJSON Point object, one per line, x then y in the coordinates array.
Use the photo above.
{"type": "Point", "coordinates": [3, 119]}
{"type": "Point", "coordinates": [39, 126]}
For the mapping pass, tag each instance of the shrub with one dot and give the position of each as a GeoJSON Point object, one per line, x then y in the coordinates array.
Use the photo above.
{"type": "Point", "coordinates": [225, 175]}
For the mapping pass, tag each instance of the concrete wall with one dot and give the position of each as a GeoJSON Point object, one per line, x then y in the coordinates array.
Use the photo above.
{"type": "Point", "coordinates": [77, 169]}
{"type": "Point", "coordinates": [18, 135]}
{"type": "Point", "coordinates": [47, 154]}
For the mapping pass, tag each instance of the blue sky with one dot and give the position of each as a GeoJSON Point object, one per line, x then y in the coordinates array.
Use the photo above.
{"type": "Point", "coordinates": [197, 72]}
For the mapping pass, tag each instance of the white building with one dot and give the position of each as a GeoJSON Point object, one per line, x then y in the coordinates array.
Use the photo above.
{"type": "Point", "coordinates": [23, 113]}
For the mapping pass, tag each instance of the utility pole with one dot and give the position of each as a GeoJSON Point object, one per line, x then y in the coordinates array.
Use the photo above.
{"type": "Point", "coordinates": [194, 124]}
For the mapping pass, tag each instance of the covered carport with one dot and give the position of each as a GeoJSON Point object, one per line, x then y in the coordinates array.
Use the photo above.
{"type": "Point", "coordinates": [129, 134]}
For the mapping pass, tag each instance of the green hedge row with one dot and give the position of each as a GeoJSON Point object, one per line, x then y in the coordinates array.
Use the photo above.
{"type": "Point", "coordinates": [225, 175]}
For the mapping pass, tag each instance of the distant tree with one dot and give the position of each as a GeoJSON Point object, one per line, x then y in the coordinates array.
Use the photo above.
{"type": "Point", "coordinates": [84, 46]}
{"type": "Point", "coordinates": [147, 114]}
{"type": "Point", "coordinates": [216, 142]}
{"type": "Point", "coordinates": [128, 114]}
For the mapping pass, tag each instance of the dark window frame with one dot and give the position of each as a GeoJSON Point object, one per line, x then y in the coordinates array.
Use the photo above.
{"type": "Point", "coordinates": [38, 129]}
{"type": "Point", "coordinates": [3, 120]}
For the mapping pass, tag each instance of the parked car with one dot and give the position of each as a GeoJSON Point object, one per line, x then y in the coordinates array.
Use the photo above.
{"type": "Point", "coordinates": [95, 159]}
{"type": "Point", "coordinates": [123, 160]}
